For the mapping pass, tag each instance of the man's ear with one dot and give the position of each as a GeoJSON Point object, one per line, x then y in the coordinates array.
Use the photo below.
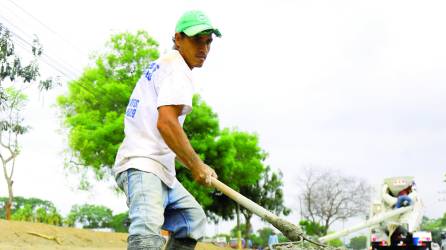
{"type": "Point", "coordinates": [177, 39]}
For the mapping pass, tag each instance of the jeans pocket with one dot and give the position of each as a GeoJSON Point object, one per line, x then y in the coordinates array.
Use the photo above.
{"type": "Point", "coordinates": [122, 181]}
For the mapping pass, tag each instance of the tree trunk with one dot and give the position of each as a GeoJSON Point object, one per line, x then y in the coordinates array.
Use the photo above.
{"type": "Point", "coordinates": [10, 199]}
{"type": "Point", "coordinates": [239, 238]}
{"type": "Point", "coordinates": [8, 210]}
{"type": "Point", "coordinates": [326, 226]}
{"type": "Point", "coordinates": [248, 226]}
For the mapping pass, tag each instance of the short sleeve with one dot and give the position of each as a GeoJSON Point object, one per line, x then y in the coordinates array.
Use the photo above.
{"type": "Point", "coordinates": [176, 89]}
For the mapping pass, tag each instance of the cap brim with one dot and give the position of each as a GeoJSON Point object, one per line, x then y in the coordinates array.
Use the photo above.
{"type": "Point", "coordinates": [194, 30]}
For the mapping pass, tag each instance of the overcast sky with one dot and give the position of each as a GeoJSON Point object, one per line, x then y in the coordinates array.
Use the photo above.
{"type": "Point", "coordinates": [356, 86]}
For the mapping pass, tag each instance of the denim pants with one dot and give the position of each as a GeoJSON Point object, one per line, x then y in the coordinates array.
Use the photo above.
{"type": "Point", "coordinates": [402, 201]}
{"type": "Point", "coordinates": [154, 206]}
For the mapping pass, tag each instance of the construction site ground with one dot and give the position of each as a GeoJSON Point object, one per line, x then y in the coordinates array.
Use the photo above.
{"type": "Point", "coordinates": [15, 235]}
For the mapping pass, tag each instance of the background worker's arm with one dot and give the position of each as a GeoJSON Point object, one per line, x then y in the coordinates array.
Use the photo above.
{"type": "Point", "coordinates": [175, 137]}
{"type": "Point", "coordinates": [390, 200]}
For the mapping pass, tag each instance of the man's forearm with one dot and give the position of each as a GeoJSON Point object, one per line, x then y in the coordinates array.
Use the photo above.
{"type": "Point", "coordinates": [175, 137]}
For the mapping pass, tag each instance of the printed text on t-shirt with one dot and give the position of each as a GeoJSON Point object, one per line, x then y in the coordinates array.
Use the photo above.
{"type": "Point", "coordinates": [131, 108]}
{"type": "Point", "coordinates": [152, 68]}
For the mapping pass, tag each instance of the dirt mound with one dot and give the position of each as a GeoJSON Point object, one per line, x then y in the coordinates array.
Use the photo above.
{"type": "Point", "coordinates": [15, 235]}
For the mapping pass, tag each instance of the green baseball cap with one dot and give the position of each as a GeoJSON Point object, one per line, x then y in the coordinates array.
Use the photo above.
{"type": "Point", "coordinates": [194, 22]}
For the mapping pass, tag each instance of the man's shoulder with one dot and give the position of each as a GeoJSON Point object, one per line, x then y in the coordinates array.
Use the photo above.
{"type": "Point", "coordinates": [171, 59]}
{"type": "Point", "coordinates": [160, 68]}
{"type": "Point", "coordinates": [167, 65]}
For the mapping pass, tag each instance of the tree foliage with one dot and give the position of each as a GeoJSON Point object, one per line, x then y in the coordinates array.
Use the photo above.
{"type": "Point", "coordinates": [436, 226]}
{"type": "Point", "coordinates": [95, 104]}
{"type": "Point", "coordinates": [202, 128]}
{"type": "Point", "coordinates": [238, 158]}
{"type": "Point", "coordinates": [235, 156]}
{"type": "Point", "coordinates": [335, 243]}
{"type": "Point", "coordinates": [32, 209]}
{"type": "Point", "coordinates": [89, 216]}
{"type": "Point", "coordinates": [12, 67]}
{"type": "Point", "coordinates": [119, 222]}
{"type": "Point", "coordinates": [263, 235]}
{"type": "Point", "coordinates": [268, 193]}
{"type": "Point", "coordinates": [358, 242]}
{"type": "Point", "coordinates": [327, 196]}
{"type": "Point", "coordinates": [41, 215]}
{"type": "Point", "coordinates": [11, 128]}
{"type": "Point", "coordinates": [312, 228]}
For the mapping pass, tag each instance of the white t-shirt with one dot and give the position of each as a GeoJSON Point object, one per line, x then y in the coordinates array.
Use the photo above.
{"type": "Point", "coordinates": [167, 81]}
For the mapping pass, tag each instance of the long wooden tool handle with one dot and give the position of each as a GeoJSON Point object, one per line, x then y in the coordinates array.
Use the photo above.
{"type": "Point", "coordinates": [292, 232]}
{"type": "Point", "coordinates": [242, 200]}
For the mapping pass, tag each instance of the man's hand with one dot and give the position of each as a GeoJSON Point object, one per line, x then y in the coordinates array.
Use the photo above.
{"type": "Point", "coordinates": [202, 173]}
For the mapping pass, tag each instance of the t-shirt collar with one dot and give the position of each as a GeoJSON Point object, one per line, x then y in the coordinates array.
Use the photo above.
{"type": "Point", "coordinates": [183, 63]}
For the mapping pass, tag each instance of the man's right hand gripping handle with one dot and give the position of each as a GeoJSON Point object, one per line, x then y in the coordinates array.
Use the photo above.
{"type": "Point", "coordinates": [202, 173]}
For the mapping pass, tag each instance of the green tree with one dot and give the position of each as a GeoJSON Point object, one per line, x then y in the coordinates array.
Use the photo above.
{"type": "Point", "coordinates": [24, 214]}
{"type": "Point", "coordinates": [32, 209]}
{"type": "Point", "coordinates": [358, 242]}
{"type": "Point", "coordinates": [335, 243]}
{"type": "Point", "coordinates": [267, 192]}
{"type": "Point", "coordinates": [435, 226]}
{"type": "Point", "coordinates": [202, 128]}
{"type": "Point", "coordinates": [235, 156]}
{"type": "Point", "coordinates": [11, 127]}
{"type": "Point", "coordinates": [119, 222]}
{"type": "Point", "coordinates": [13, 71]}
{"type": "Point", "coordinates": [40, 214]}
{"type": "Point", "coordinates": [50, 216]}
{"type": "Point", "coordinates": [312, 228]}
{"type": "Point", "coordinates": [16, 204]}
{"type": "Point", "coordinates": [12, 67]}
{"type": "Point", "coordinates": [443, 220]}
{"type": "Point", "coordinates": [238, 161]}
{"type": "Point", "coordinates": [95, 104]}
{"type": "Point", "coordinates": [261, 238]}
{"type": "Point", "coordinates": [89, 216]}
{"type": "Point", "coordinates": [235, 229]}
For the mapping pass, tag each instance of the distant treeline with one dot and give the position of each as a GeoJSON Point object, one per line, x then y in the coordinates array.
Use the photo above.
{"type": "Point", "coordinates": [84, 216]}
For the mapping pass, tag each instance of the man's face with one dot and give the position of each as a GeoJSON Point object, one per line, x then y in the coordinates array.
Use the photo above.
{"type": "Point", "coordinates": [193, 49]}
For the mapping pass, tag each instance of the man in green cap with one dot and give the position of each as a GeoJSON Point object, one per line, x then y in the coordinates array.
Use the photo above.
{"type": "Point", "coordinates": [145, 163]}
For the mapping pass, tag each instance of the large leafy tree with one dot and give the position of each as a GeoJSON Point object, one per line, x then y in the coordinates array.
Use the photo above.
{"type": "Point", "coordinates": [202, 129]}
{"type": "Point", "coordinates": [95, 104]}
{"type": "Point", "coordinates": [240, 164]}
{"type": "Point", "coordinates": [237, 159]}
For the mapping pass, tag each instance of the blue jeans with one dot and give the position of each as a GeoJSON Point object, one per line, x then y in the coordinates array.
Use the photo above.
{"type": "Point", "coordinates": [154, 206]}
{"type": "Point", "coordinates": [403, 201]}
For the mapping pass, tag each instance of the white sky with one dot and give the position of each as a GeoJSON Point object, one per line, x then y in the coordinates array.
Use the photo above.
{"type": "Point", "coordinates": [357, 86]}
